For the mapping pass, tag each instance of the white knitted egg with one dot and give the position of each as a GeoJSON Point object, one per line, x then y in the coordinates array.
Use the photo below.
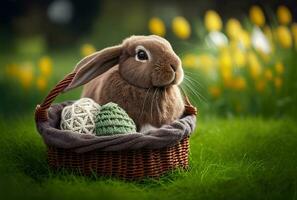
{"type": "Point", "coordinates": [80, 116]}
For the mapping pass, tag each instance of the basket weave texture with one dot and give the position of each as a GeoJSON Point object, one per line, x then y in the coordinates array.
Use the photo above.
{"type": "Point", "coordinates": [128, 165]}
{"type": "Point", "coordinates": [146, 155]}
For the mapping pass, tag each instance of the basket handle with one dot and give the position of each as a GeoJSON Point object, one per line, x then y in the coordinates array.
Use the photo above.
{"type": "Point", "coordinates": [41, 114]}
{"type": "Point", "coordinates": [189, 108]}
{"type": "Point", "coordinates": [41, 109]}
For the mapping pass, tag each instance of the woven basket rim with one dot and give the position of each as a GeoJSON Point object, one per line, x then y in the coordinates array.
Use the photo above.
{"type": "Point", "coordinates": [165, 136]}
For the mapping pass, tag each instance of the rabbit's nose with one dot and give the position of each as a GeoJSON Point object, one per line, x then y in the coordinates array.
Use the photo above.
{"type": "Point", "coordinates": [173, 67]}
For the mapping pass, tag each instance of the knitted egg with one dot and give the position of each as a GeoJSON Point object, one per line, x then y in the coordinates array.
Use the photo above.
{"type": "Point", "coordinates": [79, 117]}
{"type": "Point", "coordinates": [112, 119]}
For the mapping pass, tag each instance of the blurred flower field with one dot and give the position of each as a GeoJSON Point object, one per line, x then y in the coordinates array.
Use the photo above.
{"type": "Point", "coordinates": [232, 67]}
{"type": "Point", "coordinates": [244, 67]}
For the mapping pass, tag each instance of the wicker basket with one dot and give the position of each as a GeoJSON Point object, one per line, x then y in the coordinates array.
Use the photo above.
{"type": "Point", "coordinates": [126, 164]}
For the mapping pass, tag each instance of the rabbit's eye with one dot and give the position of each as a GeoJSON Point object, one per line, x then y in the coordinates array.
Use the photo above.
{"type": "Point", "coordinates": [141, 55]}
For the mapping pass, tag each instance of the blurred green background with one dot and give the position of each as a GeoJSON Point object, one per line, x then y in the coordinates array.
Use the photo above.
{"type": "Point", "coordinates": [239, 58]}
{"type": "Point", "coordinates": [240, 61]}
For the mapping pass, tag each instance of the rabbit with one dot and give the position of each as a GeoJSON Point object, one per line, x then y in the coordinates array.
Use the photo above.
{"type": "Point", "coordinates": [142, 75]}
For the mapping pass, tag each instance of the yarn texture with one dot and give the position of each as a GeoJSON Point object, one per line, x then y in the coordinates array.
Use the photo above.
{"type": "Point", "coordinates": [112, 119]}
{"type": "Point", "coordinates": [80, 116]}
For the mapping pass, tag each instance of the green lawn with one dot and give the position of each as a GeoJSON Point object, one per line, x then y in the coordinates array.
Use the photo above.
{"type": "Point", "coordinates": [250, 158]}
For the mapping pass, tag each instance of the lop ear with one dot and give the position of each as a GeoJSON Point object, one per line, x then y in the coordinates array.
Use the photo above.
{"type": "Point", "coordinates": [94, 65]}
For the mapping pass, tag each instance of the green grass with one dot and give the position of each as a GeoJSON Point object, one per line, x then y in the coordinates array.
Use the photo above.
{"type": "Point", "coordinates": [250, 158]}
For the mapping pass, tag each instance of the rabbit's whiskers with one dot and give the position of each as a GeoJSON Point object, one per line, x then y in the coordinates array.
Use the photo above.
{"type": "Point", "coordinates": [193, 80]}
{"type": "Point", "coordinates": [157, 100]}
{"type": "Point", "coordinates": [152, 103]}
{"type": "Point", "coordinates": [142, 109]}
{"type": "Point", "coordinates": [190, 86]}
{"type": "Point", "coordinates": [158, 65]}
{"type": "Point", "coordinates": [165, 94]}
{"type": "Point", "coordinates": [188, 89]}
{"type": "Point", "coordinates": [195, 74]}
{"type": "Point", "coordinates": [196, 93]}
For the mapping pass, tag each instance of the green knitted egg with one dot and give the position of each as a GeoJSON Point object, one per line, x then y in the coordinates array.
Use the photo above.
{"type": "Point", "coordinates": [112, 119]}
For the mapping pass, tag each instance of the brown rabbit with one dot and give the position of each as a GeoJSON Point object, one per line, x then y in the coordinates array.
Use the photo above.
{"type": "Point", "coordinates": [141, 75]}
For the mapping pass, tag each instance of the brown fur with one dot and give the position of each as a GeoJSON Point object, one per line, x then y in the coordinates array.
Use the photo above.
{"type": "Point", "coordinates": [156, 106]}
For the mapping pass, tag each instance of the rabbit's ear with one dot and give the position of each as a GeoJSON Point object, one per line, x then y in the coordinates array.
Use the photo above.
{"type": "Point", "coordinates": [94, 65]}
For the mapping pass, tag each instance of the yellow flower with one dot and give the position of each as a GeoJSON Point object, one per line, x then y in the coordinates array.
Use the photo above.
{"type": "Point", "coordinates": [284, 36]}
{"type": "Point", "coordinates": [206, 62]}
{"type": "Point", "coordinates": [257, 16]}
{"type": "Point", "coordinates": [264, 56]}
{"type": "Point", "coordinates": [181, 27]}
{"type": "Point", "coordinates": [26, 75]}
{"type": "Point", "coordinates": [279, 68]}
{"type": "Point", "coordinates": [239, 58]}
{"type": "Point", "coordinates": [255, 67]}
{"type": "Point", "coordinates": [284, 15]}
{"type": "Point", "coordinates": [190, 60]}
{"type": "Point", "coordinates": [245, 39]}
{"type": "Point", "coordinates": [267, 32]}
{"type": "Point", "coordinates": [260, 85]}
{"type": "Point", "coordinates": [269, 35]}
{"type": "Point", "coordinates": [45, 65]}
{"type": "Point", "coordinates": [233, 28]}
{"type": "Point", "coordinates": [12, 70]}
{"type": "Point", "coordinates": [87, 49]}
{"type": "Point", "coordinates": [228, 82]}
{"type": "Point", "coordinates": [294, 33]}
{"type": "Point", "coordinates": [41, 83]}
{"type": "Point", "coordinates": [268, 74]}
{"type": "Point", "coordinates": [233, 45]}
{"type": "Point", "coordinates": [215, 91]}
{"type": "Point", "coordinates": [212, 21]}
{"type": "Point", "coordinates": [278, 82]}
{"type": "Point", "coordinates": [225, 63]}
{"type": "Point", "coordinates": [239, 83]}
{"type": "Point", "coordinates": [156, 26]}
{"type": "Point", "coordinates": [203, 61]}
